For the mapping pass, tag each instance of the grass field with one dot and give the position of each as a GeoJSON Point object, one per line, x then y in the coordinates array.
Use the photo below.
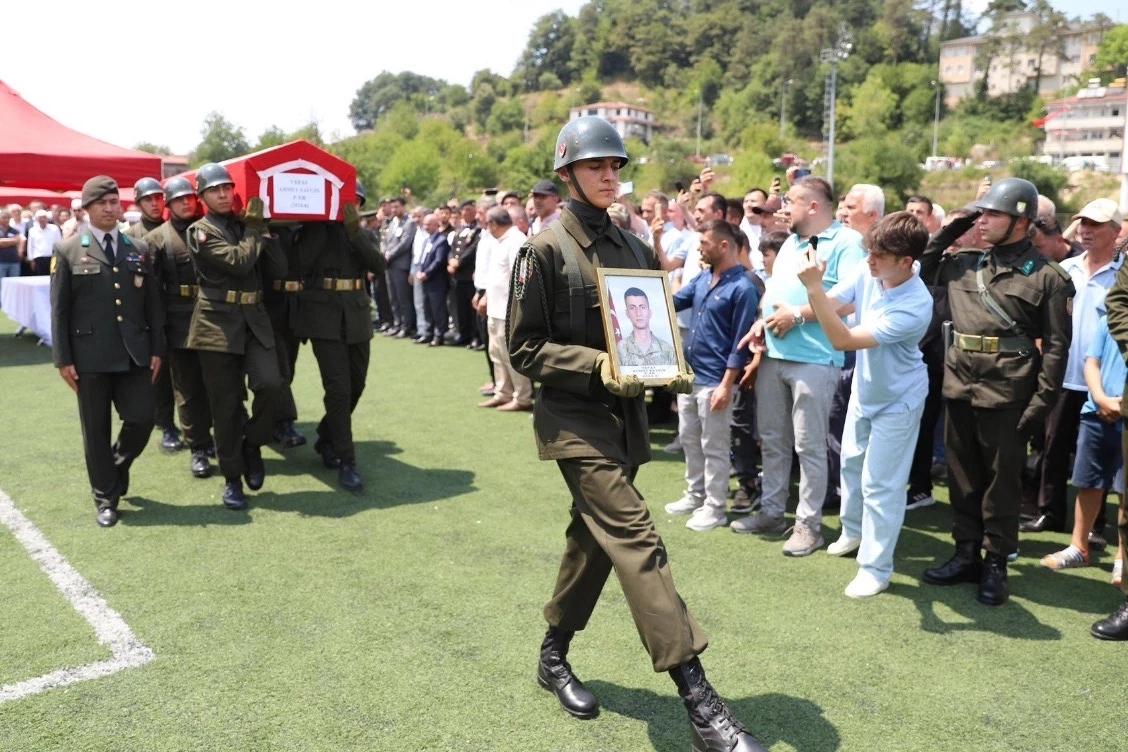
{"type": "Point", "coordinates": [408, 618]}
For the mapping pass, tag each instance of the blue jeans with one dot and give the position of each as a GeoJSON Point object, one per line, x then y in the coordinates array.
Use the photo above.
{"type": "Point", "coordinates": [876, 456]}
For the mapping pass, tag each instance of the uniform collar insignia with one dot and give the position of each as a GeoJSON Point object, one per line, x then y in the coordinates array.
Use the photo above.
{"type": "Point", "coordinates": [1028, 267]}
{"type": "Point", "coordinates": [85, 240]}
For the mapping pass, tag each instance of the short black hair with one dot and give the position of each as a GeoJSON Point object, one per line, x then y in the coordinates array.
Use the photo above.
{"type": "Point", "coordinates": [820, 187]}
{"type": "Point", "coordinates": [634, 292]}
{"type": "Point", "coordinates": [720, 203]}
{"type": "Point", "coordinates": [920, 200]}
{"type": "Point", "coordinates": [772, 241]}
{"type": "Point", "coordinates": [726, 231]}
{"type": "Point", "coordinates": [466, 203]}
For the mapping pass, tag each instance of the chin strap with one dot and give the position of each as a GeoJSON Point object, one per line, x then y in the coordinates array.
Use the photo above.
{"type": "Point", "coordinates": [576, 186]}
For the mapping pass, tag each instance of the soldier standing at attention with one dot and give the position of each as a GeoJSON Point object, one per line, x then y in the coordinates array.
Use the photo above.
{"type": "Point", "coordinates": [231, 330]}
{"type": "Point", "coordinates": [594, 425]}
{"type": "Point", "coordinates": [176, 278]}
{"type": "Point", "coordinates": [334, 316]}
{"type": "Point", "coordinates": [999, 383]}
{"type": "Point", "coordinates": [280, 296]}
{"type": "Point", "coordinates": [150, 200]}
{"type": "Point", "coordinates": [107, 340]}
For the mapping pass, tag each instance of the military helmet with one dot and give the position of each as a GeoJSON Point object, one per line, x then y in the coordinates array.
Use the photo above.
{"type": "Point", "coordinates": [211, 175]}
{"type": "Point", "coordinates": [588, 137]}
{"type": "Point", "coordinates": [361, 196]}
{"type": "Point", "coordinates": [177, 187]}
{"type": "Point", "coordinates": [1013, 196]}
{"type": "Point", "coordinates": [146, 187]}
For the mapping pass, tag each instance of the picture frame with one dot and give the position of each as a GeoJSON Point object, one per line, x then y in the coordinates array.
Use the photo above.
{"type": "Point", "coordinates": [650, 310]}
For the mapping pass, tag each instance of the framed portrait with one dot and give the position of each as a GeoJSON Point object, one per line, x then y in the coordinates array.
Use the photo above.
{"type": "Point", "coordinates": [639, 321]}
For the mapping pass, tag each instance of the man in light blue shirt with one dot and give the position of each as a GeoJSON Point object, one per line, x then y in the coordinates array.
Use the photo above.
{"type": "Point", "coordinates": [893, 309]}
{"type": "Point", "coordinates": [799, 372]}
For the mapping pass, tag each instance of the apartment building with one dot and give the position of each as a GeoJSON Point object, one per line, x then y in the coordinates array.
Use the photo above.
{"type": "Point", "coordinates": [631, 121]}
{"type": "Point", "coordinates": [1087, 130]}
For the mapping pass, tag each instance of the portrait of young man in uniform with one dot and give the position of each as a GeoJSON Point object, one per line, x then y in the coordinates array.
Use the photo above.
{"type": "Point", "coordinates": [642, 347]}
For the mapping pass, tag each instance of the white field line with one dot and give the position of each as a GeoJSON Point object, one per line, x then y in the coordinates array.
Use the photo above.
{"type": "Point", "coordinates": [110, 629]}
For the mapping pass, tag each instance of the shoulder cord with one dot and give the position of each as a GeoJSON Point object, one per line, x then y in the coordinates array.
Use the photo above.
{"type": "Point", "coordinates": [527, 265]}
{"type": "Point", "coordinates": [992, 305]}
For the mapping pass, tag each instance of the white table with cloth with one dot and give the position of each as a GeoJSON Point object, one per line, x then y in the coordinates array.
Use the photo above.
{"type": "Point", "coordinates": [27, 301]}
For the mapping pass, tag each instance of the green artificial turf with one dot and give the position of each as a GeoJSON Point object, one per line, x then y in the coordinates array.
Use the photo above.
{"type": "Point", "coordinates": [408, 617]}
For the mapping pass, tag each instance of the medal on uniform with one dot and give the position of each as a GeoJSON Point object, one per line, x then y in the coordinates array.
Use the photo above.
{"type": "Point", "coordinates": [138, 280]}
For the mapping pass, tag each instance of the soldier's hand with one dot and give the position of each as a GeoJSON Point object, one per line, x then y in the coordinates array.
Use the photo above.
{"type": "Point", "coordinates": [624, 386]}
{"type": "Point", "coordinates": [352, 219]}
{"type": "Point", "coordinates": [155, 367]}
{"type": "Point", "coordinates": [70, 375]}
{"type": "Point", "coordinates": [682, 383]}
{"type": "Point", "coordinates": [253, 215]}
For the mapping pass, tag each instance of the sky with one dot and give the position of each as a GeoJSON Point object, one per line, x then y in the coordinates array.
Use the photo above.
{"type": "Point", "coordinates": [173, 63]}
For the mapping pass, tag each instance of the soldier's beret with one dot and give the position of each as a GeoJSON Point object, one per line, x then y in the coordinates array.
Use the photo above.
{"type": "Point", "coordinates": [97, 188]}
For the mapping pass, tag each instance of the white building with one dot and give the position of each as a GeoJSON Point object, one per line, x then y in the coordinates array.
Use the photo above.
{"type": "Point", "coordinates": [1088, 128]}
{"type": "Point", "coordinates": [631, 121]}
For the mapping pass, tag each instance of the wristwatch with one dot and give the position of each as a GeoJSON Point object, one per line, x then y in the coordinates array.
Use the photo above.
{"type": "Point", "coordinates": [798, 320]}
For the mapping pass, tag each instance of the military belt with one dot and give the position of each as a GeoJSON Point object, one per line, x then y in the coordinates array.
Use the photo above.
{"type": "Point", "coordinates": [185, 291]}
{"type": "Point", "coordinates": [230, 296]}
{"type": "Point", "coordinates": [342, 285]}
{"type": "Point", "coordinates": [978, 343]}
{"type": "Point", "coordinates": [288, 285]}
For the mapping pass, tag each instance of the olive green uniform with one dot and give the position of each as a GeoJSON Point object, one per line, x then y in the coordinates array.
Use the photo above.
{"type": "Point", "coordinates": [334, 315]}
{"type": "Point", "coordinates": [999, 387]}
{"type": "Point", "coordinates": [231, 331]}
{"type": "Point", "coordinates": [106, 322]}
{"type": "Point", "coordinates": [280, 296]}
{"type": "Point", "coordinates": [162, 388]}
{"type": "Point", "coordinates": [598, 440]}
{"type": "Point", "coordinates": [179, 285]}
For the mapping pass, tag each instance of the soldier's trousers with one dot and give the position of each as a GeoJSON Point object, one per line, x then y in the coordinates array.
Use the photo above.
{"type": "Point", "coordinates": [286, 346]}
{"type": "Point", "coordinates": [191, 397]}
{"type": "Point", "coordinates": [986, 456]}
{"type": "Point", "coordinates": [610, 529]}
{"type": "Point", "coordinates": [223, 380]}
{"type": "Point", "coordinates": [464, 314]}
{"type": "Point", "coordinates": [131, 394]}
{"type": "Point", "coordinates": [163, 400]}
{"type": "Point", "coordinates": [344, 369]}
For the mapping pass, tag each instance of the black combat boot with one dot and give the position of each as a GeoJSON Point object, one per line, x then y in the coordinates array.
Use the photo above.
{"type": "Point", "coordinates": [329, 458]}
{"type": "Point", "coordinates": [233, 496]}
{"type": "Point", "coordinates": [713, 727]}
{"type": "Point", "coordinates": [965, 566]}
{"type": "Point", "coordinates": [286, 434]}
{"type": "Point", "coordinates": [993, 589]}
{"type": "Point", "coordinates": [170, 440]}
{"type": "Point", "coordinates": [254, 470]}
{"type": "Point", "coordinates": [349, 478]}
{"type": "Point", "coordinates": [555, 675]}
{"type": "Point", "coordinates": [201, 467]}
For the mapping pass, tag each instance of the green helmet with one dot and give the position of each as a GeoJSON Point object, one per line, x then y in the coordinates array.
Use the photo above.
{"type": "Point", "coordinates": [211, 175]}
{"type": "Point", "coordinates": [588, 137]}
{"type": "Point", "coordinates": [361, 196]}
{"type": "Point", "coordinates": [1013, 196]}
{"type": "Point", "coordinates": [146, 187]}
{"type": "Point", "coordinates": [177, 187]}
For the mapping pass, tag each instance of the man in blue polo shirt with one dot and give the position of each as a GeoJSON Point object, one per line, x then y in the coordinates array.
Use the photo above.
{"type": "Point", "coordinates": [799, 372]}
{"type": "Point", "coordinates": [723, 304]}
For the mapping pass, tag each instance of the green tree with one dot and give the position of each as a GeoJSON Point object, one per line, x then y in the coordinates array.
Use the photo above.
{"type": "Point", "coordinates": [1112, 55]}
{"type": "Point", "coordinates": [379, 95]}
{"type": "Point", "coordinates": [159, 149]}
{"type": "Point", "coordinates": [417, 165]}
{"type": "Point", "coordinates": [547, 53]}
{"type": "Point", "coordinates": [872, 109]}
{"type": "Point", "coordinates": [1046, 179]}
{"type": "Point", "coordinates": [220, 140]}
{"type": "Point", "coordinates": [1047, 38]}
{"type": "Point", "coordinates": [506, 115]}
{"type": "Point", "coordinates": [272, 136]}
{"type": "Point", "coordinates": [883, 160]}
{"type": "Point", "coordinates": [370, 154]}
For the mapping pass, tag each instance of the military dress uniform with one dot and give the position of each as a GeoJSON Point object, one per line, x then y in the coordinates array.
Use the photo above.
{"type": "Point", "coordinates": [106, 322]}
{"type": "Point", "coordinates": [464, 251]}
{"type": "Point", "coordinates": [280, 296]}
{"type": "Point", "coordinates": [334, 316]}
{"type": "Point", "coordinates": [231, 332]}
{"type": "Point", "coordinates": [179, 286]}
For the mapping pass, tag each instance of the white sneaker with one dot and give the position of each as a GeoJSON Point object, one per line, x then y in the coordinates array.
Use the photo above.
{"type": "Point", "coordinates": [674, 447]}
{"type": "Point", "coordinates": [844, 545]}
{"type": "Point", "coordinates": [919, 500]}
{"type": "Point", "coordinates": [865, 586]}
{"type": "Point", "coordinates": [707, 518]}
{"type": "Point", "coordinates": [685, 505]}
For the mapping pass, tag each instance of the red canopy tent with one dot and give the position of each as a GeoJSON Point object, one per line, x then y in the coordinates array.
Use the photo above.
{"type": "Point", "coordinates": [24, 196]}
{"type": "Point", "coordinates": [37, 152]}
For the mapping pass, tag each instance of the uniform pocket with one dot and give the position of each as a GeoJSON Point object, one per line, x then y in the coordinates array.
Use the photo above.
{"type": "Point", "coordinates": [85, 269]}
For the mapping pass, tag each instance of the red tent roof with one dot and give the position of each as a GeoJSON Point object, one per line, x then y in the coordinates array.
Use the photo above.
{"type": "Point", "coordinates": [37, 152]}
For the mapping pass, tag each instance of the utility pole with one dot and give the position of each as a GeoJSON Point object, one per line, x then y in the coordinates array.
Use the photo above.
{"type": "Point", "coordinates": [834, 55]}
{"type": "Point", "coordinates": [699, 124]}
{"type": "Point", "coordinates": [936, 121]}
{"type": "Point", "coordinates": [783, 107]}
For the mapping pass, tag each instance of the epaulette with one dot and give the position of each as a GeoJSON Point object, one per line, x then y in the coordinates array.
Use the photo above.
{"type": "Point", "coordinates": [1057, 268]}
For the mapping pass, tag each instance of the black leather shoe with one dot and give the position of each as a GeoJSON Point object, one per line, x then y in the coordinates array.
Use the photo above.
{"type": "Point", "coordinates": [712, 725]}
{"type": "Point", "coordinates": [1114, 627]}
{"type": "Point", "coordinates": [254, 471]}
{"type": "Point", "coordinates": [210, 452]}
{"type": "Point", "coordinates": [201, 468]}
{"type": "Point", "coordinates": [555, 674]}
{"type": "Point", "coordinates": [965, 566]}
{"type": "Point", "coordinates": [233, 496]}
{"type": "Point", "coordinates": [328, 458]}
{"type": "Point", "coordinates": [286, 433]}
{"type": "Point", "coordinates": [106, 517]}
{"type": "Point", "coordinates": [170, 440]}
{"type": "Point", "coordinates": [993, 590]}
{"type": "Point", "coordinates": [349, 478]}
{"type": "Point", "coordinates": [1041, 524]}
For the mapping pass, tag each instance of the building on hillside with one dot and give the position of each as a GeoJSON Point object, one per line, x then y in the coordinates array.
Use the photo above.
{"type": "Point", "coordinates": [1017, 67]}
{"type": "Point", "coordinates": [631, 121]}
{"type": "Point", "coordinates": [1087, 130]}
{"type": "Point", "coordinates": [172, 164]}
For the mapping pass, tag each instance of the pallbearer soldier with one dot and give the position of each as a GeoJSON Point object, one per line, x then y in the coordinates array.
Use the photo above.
{"type": "Point", "coordinates": [107, 340]}
{"type": "Point", "coordinates": [231, 329]}
{"type": "Point", "coordinates": [179, 286]}
{"type": "Point", "coordinates": [149, 195]}
{"type": "Point", "coordinates": [280, 296]}
{"type": "Point", "coordinates": [594, 425]}
{"type": "Point", "coordinates": [1003, 370]}
{"type": "Point", "coordinates": [333, 315]}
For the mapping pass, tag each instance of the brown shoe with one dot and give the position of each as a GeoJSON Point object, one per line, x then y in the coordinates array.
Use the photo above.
{"type": "Point", "coordinates": [515, 407]}
{"type": "Point", "coordinates": [494, 402]}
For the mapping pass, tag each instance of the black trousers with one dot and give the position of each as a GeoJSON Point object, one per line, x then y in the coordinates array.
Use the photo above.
{"type": "Point", "coordinates": [286, 345]}
{"type": "Point", "coordinates": [1062, 426]}
{"type": "Point", "coordinates": [131, 394]}
{"type": "Point", "coordinates": [403, 302]}
{"type": "Point", "coordinates": [191, 398]}
{"type": "Point", "coordinates": [344, 371]}
{"type": "Point", "coordinates": [224, 375]}
{"type": "Point", "coordinates": [163, 401]}
{"type": "Point", "coordinates": [745, 448]}
{"type": "Point", "coordinates": [378, 290]}
{"type": "Point", "coordinates": [986, 455]}
{"type": "Point", "coordinates": [920, 472]}
{"type": "Point", "coordinates": [837, 425]}
{"type": "Point", "coordinates": [465, 316]}
{"type": "Point", "coordinates": [437, 313]}
{"type": "Point", "coordinates": [484, 338]}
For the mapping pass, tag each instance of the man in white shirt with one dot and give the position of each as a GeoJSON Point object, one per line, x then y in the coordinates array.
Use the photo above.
{"type": "Point", "coordinates": [512, 391]}
{"type": "Point", "coordinates": [41, 239]}
{"type": "Point", "coordinates": [486, 245]}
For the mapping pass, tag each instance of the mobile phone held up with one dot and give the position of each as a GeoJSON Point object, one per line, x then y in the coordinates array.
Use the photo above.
{"type": "Point", "coordinates": [679, 185]}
